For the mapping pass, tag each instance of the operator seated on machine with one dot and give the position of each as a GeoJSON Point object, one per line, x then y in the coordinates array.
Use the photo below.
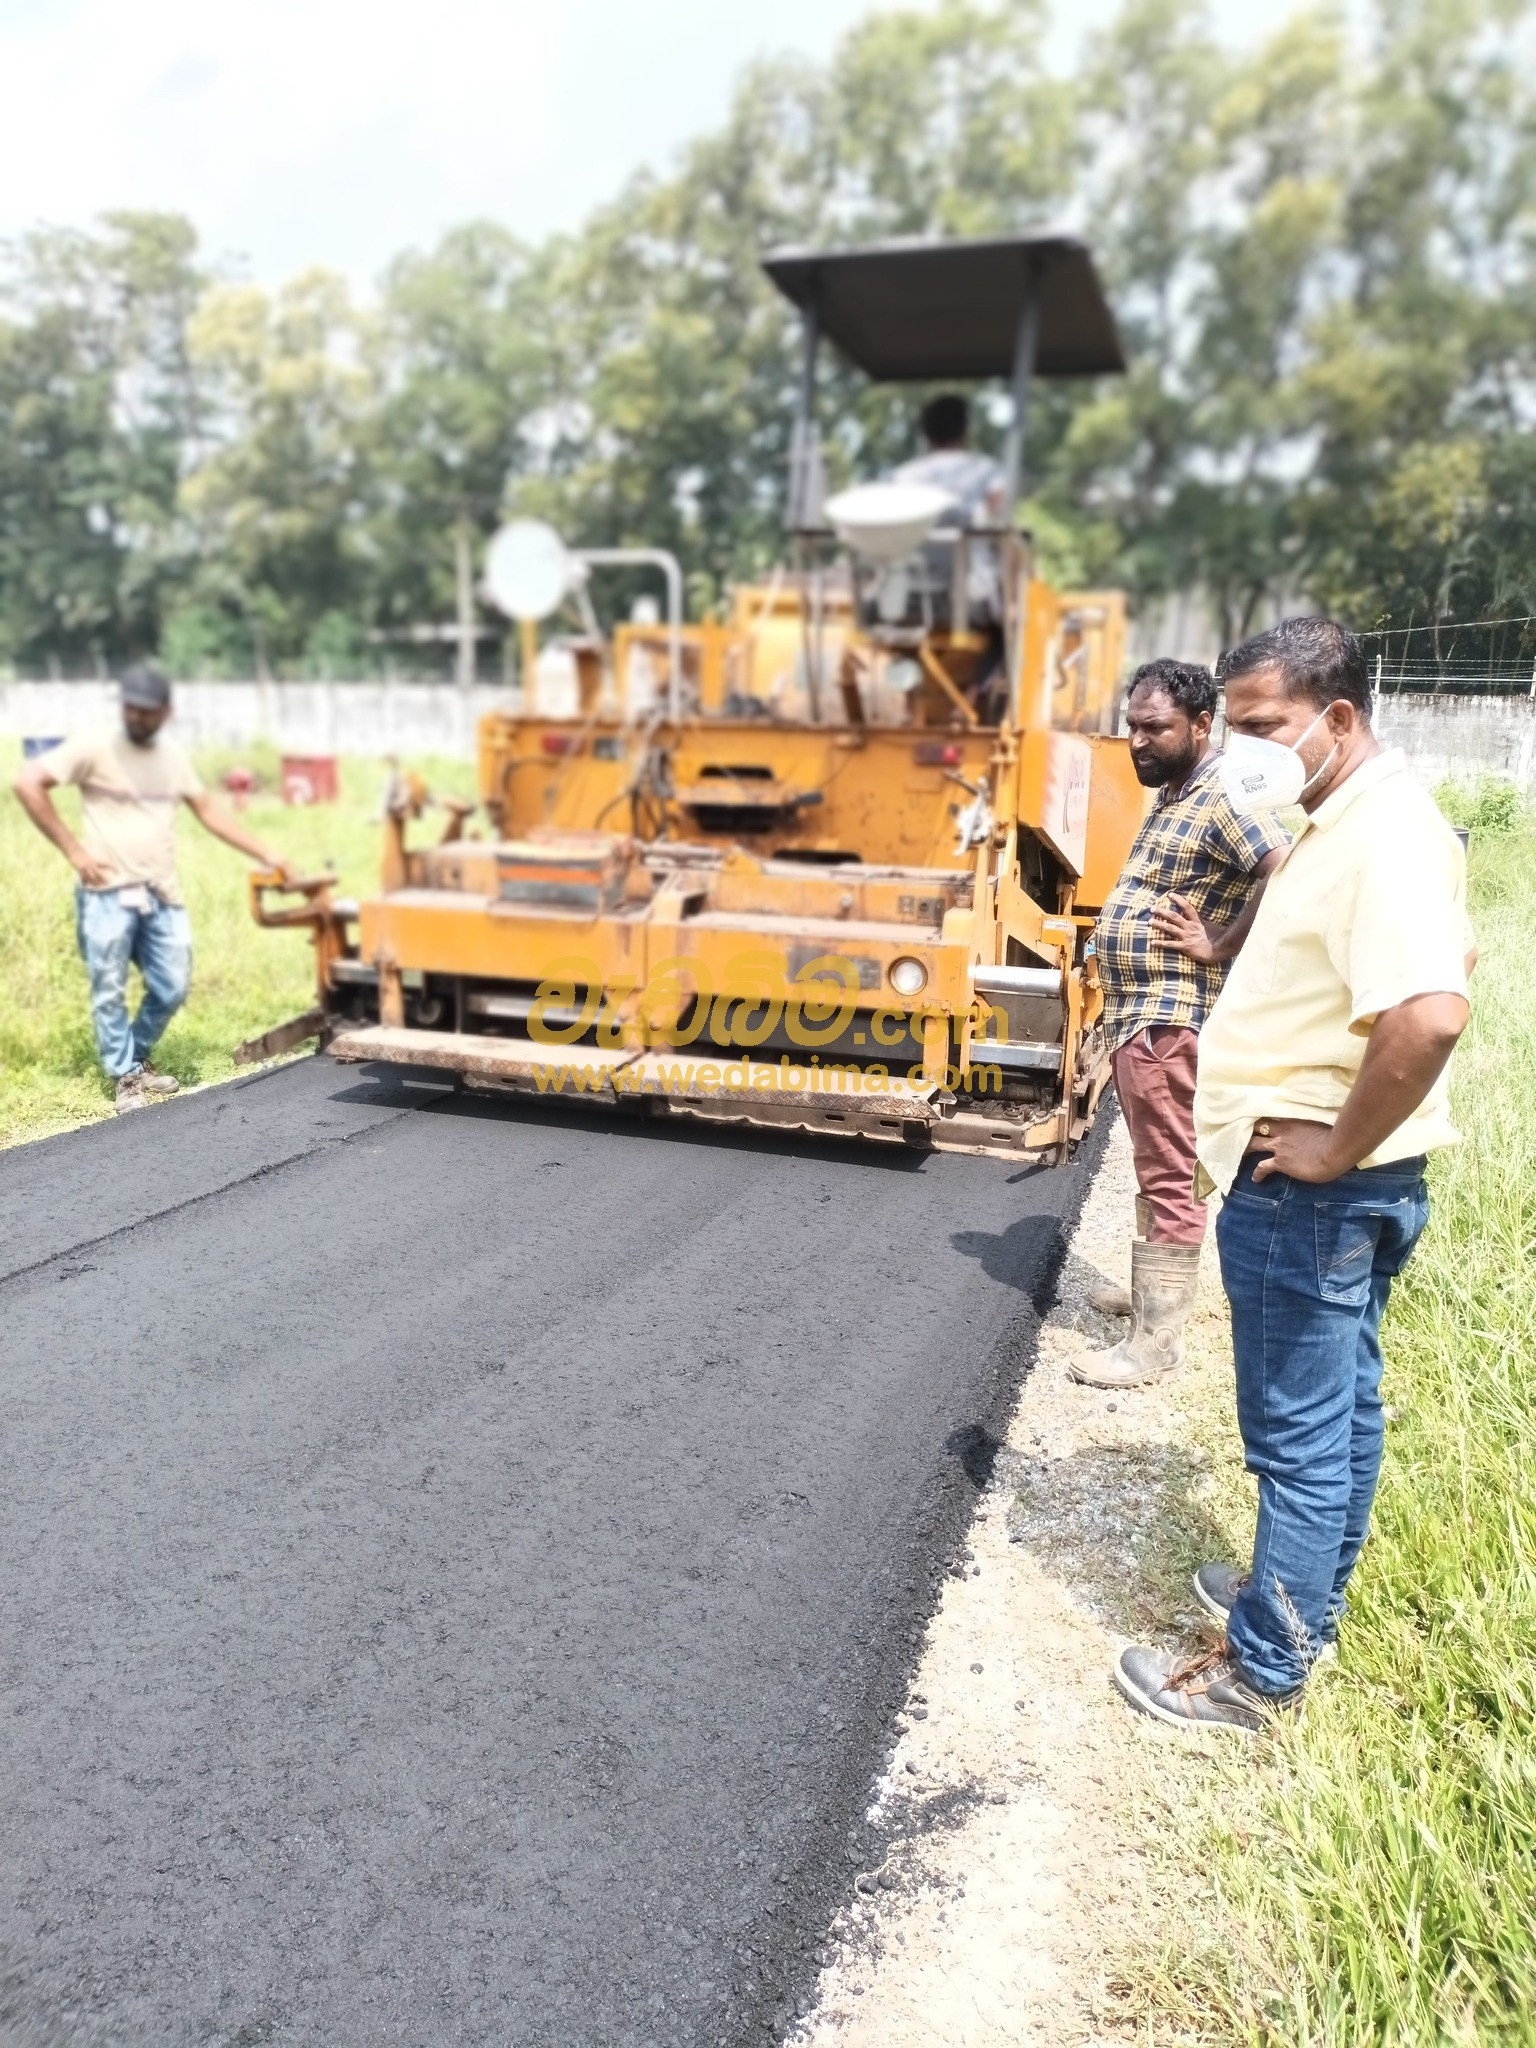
{"type": "Point", "coordinates": [972, 479]}
{"type": "Point", "coordinates": [976, 484]}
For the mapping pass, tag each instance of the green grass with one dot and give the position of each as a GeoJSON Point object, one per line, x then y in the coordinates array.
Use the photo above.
{"type": "Point", "coordinates": [244, 980]}
{"type": "Point", "coordinates": [1373, 1880]}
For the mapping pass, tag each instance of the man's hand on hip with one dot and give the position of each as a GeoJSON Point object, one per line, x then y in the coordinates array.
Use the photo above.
{"type": "Point", "coordinates": [93, 873]}
{"type": "Point", "coordinates": [1182, 929]}
{"type": "Point", "coordinates": [1303, 1151]}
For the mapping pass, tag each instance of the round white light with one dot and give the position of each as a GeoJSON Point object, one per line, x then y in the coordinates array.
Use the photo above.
{"type": "Point", "coordinates": [528, 570]}
{"type": "Point", "coordinates": [909, 977]}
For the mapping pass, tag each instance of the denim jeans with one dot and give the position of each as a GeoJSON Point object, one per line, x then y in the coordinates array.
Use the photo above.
{"type": "Point", "coordinates": [1307, 1269]}
{"type": "Point", "coordinates": [114, 934]}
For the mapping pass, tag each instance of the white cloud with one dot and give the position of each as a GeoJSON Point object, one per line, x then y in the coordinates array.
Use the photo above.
{"type": "Point", "coordinates": [340, 131]}
{"type": "Point", "coordinates": [298, 131]}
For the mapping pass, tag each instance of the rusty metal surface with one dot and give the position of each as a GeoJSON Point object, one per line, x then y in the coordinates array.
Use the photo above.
{"type": "Point", "coordinates": [281, 1038]}
{"type": "Point", "coordinates": [833, 1101]}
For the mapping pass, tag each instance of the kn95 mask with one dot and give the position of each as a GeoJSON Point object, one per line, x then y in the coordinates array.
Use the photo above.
{"type": "Point", "coordinates": [1264, 775]}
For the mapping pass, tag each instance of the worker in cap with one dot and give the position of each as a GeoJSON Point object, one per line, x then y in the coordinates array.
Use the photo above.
{"type": "Point", "coordinates": [132, 778]}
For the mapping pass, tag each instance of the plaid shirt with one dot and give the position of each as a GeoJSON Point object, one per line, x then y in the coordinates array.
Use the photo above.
{"type": "Point", "coordinates": [1193, 845]}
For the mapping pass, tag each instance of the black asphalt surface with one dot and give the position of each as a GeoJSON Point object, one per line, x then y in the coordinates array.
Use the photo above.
{"type": "Point", "coordinates": [458, 1562]}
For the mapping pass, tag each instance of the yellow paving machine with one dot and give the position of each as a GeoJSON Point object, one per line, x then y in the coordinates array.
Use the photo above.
{"type": "Point", "coordinates": [828, 862]}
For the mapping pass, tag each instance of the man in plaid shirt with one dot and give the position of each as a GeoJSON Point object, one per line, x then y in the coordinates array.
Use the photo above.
{"type": "Point", "coordinates": [1178, 914]}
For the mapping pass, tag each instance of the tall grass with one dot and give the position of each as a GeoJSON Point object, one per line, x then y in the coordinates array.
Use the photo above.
{"type": "Point", "coordinates": [1376, 1876]}
{"type": "Point", "coordinates": [244, 980]}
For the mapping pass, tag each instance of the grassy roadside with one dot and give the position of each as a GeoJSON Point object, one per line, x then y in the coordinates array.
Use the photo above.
{"type": "Point", "coordinates": [244, 980]}
{"type": "Point", "coordinates": [1374, 1878]}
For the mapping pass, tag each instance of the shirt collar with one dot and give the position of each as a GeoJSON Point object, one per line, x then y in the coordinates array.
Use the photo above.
{"type": "Point", "coordinates": [1196, 775]}
{"type": "Point", "coordinates": [1379, 768]}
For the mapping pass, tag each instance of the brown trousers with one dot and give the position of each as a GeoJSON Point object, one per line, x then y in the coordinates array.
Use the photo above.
{"type": "Point", "coordinates": [1155, 1081]}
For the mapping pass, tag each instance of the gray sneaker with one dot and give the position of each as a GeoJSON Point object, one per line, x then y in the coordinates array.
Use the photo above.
{"type": "Point", "coordinates": [153, 1082]}
{"type": "Point", "coordinates": [1208, 1691]}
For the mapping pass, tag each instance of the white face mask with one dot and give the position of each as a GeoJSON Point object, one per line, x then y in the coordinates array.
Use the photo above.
{"type": "Point", "coordinates": [1263, 775]}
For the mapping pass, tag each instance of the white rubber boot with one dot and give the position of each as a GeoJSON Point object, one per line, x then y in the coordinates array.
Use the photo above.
{"type": "Point", "coordinates": [1163, 1282]}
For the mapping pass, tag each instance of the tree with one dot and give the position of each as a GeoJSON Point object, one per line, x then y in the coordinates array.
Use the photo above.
{"type": "Point", "coordinates": [467, 370]}
{"type": "Point", "coordinates": [279, 495]}
{"type": "Point", "coordinates": [1319, 248]}
{"type": "Point", "coordinates": [97, 404]}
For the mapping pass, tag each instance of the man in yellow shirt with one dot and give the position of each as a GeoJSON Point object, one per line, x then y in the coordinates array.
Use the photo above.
{"type": "Point", "coordinates": [128, 907]}
{"type": "Point", "coordinates": [1321, 1085]}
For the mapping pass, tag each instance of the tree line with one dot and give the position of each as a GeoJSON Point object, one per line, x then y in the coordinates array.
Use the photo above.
{"type": "Point", "coordinates": [1319, 249]}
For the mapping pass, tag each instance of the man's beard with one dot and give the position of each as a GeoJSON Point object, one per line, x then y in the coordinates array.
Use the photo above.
{"type": "Point", "coordinates": [1156, 773]}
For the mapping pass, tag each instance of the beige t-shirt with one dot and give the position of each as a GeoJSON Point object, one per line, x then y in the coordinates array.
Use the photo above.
{"type": "Point", "coordinates": [1366, 910]}
{"type": "Point", "coordinates": [128, 796]}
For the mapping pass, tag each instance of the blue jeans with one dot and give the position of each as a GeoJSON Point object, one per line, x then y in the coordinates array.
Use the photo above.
{"type": "Point", "coordinates": [112, 936]}
{"type": "Point", "coordinates": [1307, 1270]}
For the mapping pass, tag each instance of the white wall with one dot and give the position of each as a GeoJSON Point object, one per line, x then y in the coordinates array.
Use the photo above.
{"type": "Point", "coordinates": [1445, 737]}
{"type": "Point", "coordinates": [299, 718]}
{"type": "Point", "coordinates": [1454, 738]}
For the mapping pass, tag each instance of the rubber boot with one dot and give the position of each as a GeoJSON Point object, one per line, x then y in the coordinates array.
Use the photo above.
{"type": "Point", "coordinates": [1163, 1282]}
{"type": "Point", "coordinates": [1109, 1299]}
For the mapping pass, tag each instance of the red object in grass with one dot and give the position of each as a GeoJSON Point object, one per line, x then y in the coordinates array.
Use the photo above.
{"type": "Point", "coordinates": [309, 779]}
{"type": "Point", "coordinates": [241, 784]}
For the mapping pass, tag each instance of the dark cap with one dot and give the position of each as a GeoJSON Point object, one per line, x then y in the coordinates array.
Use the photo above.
{"type": "Point", "coordinates": [145, 686]}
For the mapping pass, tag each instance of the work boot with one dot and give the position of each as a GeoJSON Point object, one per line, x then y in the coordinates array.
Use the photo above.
{"type": "Point", "coordinates": [1218, 1585]}
{"type": "Point", "coordinates": [130, 1093]}
{"type": "Point", "coordinates": [153, 1082]}
{"type": "Point", "coordinates": [1163, 1282]}
{"type": "Point", "coordinates": [1107, 1298]}
{"type": "Point", "coordinates": [1209, 1691]}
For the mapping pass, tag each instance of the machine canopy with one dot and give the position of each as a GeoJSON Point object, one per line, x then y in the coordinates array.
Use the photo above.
{"type": "Point", "coordinates": [916, 311]}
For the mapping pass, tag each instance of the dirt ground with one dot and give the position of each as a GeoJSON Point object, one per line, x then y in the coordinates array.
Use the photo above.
{"type": "Point", "coordinates": [1024, 1799]}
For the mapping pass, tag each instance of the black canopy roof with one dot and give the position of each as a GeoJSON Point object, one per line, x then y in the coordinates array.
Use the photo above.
{"type": "Point", "coordinates": [915, 311]}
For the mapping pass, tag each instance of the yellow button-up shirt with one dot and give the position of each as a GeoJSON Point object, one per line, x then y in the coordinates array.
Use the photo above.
{"type": "Point", "coordinates": [1367, 909]}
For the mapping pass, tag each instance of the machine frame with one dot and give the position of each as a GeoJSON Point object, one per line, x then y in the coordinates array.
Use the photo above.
{"type": "Point", "coordinates": [797, 880]}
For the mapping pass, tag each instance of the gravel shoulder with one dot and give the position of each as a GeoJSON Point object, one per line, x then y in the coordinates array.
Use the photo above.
{"type": "Point", "coordinates": [1024, 1805]}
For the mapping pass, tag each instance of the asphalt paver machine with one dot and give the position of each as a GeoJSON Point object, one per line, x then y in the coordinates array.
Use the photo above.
{"type": "Point", "coordinates": [828, 862]}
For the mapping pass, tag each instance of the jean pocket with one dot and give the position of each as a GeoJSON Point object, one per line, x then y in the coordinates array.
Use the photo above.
{"type": "Point", "coordinates": [1346, 1252]}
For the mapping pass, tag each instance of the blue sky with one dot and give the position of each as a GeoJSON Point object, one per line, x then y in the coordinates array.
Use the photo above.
{"type": "Point", "coordinates": [297, 132]}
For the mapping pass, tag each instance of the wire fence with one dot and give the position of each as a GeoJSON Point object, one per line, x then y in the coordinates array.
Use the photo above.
{"type": "Point", "coordinates": [1484, 657]}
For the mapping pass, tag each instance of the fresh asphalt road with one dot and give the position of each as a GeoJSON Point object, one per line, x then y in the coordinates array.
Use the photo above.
{"type": "Point", "coordinates": [458, 1562]}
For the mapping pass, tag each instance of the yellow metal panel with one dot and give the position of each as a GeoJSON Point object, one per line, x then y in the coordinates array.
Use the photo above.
{"type": "Point", "coordinates": [887, 795]}
{"type": "Point", "coordinates": [1116, 806]}
{"type": "Point", "coordinates": [1055, 779]}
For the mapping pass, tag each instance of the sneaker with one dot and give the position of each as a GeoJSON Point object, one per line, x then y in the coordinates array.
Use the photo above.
{"type": "Point", "coordinates": [1208, 1691]}
{"type": "Point", "coordinates": [130, 1093]}
{"type": "Point", "coordinates": [154, 1082]}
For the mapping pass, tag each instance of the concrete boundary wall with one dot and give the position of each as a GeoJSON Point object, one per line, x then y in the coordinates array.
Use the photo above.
{"type": "Point", "coordinates": [299, 718]}
{"type": "Point", "coordinates": [1452, 738]}
{"type": "Point", "coordinates": [1457, 738]}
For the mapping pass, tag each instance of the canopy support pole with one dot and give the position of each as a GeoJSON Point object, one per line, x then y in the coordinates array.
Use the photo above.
{"type": "Point", "coordinates": [802, 445]}
{"type": "Point", "coordinates": [1025, 347]}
